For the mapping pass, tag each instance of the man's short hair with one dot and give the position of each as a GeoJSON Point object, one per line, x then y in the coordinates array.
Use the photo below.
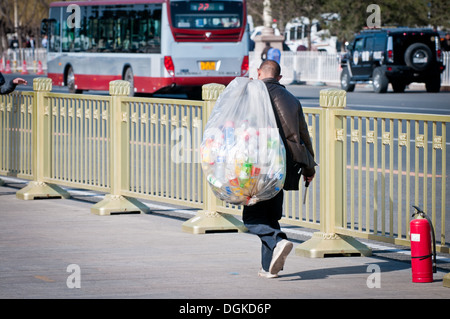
{"type": "Point", "coordinates": [271, 67]}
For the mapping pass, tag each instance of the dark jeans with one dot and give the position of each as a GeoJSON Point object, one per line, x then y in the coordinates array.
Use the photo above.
{"type": "Point", "coordinates": [261, 219]}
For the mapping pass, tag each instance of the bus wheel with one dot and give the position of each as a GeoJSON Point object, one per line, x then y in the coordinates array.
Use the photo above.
{"type": "Point", "coordinates": [70, 81]}
{"type": "Point", "coordinates": [128, 76]}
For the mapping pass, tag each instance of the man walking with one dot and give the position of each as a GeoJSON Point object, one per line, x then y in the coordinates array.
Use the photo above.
{"type": "Point", "coordinates": [262, 218]}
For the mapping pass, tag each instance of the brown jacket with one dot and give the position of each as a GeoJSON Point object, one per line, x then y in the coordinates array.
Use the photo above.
{"type": "Point", "coordinates": [294, 133]}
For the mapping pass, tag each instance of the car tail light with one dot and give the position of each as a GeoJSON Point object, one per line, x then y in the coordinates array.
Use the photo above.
{"type": "Point", "coordinates": [244, 66]}
{"type": "Point", "coordinates": [437, 43]}
{"type": "Point", "coordinates": [390, 50]}
{"type": "Point", "coordinates": [439, 55]}
{"type": "Point", "coordinates": [168, 64]}
{"type": "Point", "coordinates": [390, 56]}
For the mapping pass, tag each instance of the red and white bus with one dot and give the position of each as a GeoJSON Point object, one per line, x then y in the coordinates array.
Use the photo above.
{"type": "Point", "coordinates": [156, 45]}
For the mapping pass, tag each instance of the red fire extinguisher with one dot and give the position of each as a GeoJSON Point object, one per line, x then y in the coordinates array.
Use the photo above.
{"type": "Point", "coordinates": [422, 241]}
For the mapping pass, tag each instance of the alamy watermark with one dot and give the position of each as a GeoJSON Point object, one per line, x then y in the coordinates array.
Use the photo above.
{"type": "Point", "coordinates": [74, 279]}
{"type": "Point", "coordinates": [374, 19]}
{"type": "Point", "coordinates": [374, 279]}
{"type": "Point", "coordinates": [74, 20]}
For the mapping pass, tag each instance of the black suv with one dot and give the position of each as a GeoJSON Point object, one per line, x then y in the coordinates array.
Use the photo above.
{"type": "Point", "coordinates": [398, 56]}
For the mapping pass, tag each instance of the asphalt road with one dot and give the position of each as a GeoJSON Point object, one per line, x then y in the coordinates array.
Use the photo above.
{"type": "Point", "coordinates": [414, 100]}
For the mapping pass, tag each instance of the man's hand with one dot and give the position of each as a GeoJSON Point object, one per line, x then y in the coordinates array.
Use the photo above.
{"type": "Point", "coordinates": [309, 178]}
{"type": "Point", "coordinates": [20, 81]}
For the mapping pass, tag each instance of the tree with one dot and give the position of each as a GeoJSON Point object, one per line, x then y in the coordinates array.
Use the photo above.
{"type": "Point", "coordinates": [351, 18]}
{"type": "Point", "coordinates": [285, 10]}
{"type": "Point", "coordinates": [353, 15]}
{"type": "Point", "coordinates": [438, 14]}
{"type": "Point", "coordinates": [29, 16]}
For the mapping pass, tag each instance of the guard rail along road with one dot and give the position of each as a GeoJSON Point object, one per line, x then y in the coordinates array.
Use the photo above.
{"type": "Point", "coordinates": [373, 166]}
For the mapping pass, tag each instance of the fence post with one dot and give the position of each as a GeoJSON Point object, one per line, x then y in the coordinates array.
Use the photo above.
{"type": "Point", "coordinates": [41, 141]}
{"type": "Point", "coordinates": [446, 281]}
{"type": "Point", "coordinates": [327, 241]}
{"type": "Point", "coordinates": [119, 165]}
{"type": "Point", "coordinates": [209, 219]}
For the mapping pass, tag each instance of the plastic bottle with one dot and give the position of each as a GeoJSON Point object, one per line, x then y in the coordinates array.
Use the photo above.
{"type": "Point", "coordinates": [252, 146]}
{"type": "Point", "coordinates": [254, 175]}
{"type": "Point", "coordinates": [219, 169]}
{"type": "Point", "coordinates": [229, 134]}
{"type": "Point", "coordinates": [214, 181]}
{"type": "Point", "coordinates": [234, 181]}
{"type": "Point", "coordinates": [245, 174]}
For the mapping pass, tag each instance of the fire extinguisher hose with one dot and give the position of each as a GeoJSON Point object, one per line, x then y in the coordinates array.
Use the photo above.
{"type": "Point", "coordinates": [424, 215]}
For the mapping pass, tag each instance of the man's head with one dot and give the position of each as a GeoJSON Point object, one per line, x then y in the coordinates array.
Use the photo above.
{"type": "Point", "coordinates": [269, 69]}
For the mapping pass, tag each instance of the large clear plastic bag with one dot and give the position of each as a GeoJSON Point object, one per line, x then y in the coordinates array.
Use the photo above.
{"type": "Point", "coordinates": [242, 154]}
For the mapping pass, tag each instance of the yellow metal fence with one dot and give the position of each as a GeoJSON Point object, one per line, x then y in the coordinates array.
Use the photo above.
{"type": "Point", "coordinates": [372, 166]}
{"type": "Point", "coordinates": [162, 140]}
{"type": "Point", "coordinates": [16, 137]}
{"type": "Point", "coordinates": [78, 132]}
{"type": "Point", "coordinates": [391, 161]}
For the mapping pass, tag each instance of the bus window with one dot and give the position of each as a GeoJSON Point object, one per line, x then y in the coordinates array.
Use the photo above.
{"type": "Point", "coordinates": [54, 34]}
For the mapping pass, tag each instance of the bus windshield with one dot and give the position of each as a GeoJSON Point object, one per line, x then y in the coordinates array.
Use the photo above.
{"type": "Point", "coordinates": [207, 15]}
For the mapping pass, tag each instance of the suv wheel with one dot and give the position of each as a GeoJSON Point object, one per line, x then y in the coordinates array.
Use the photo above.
{"type": "Point", "coordinates": [418, 56]}
{"type": "Point", "coordinates": [380, 81]}
{"type": "Point", "coordinates": [345, 81]}
{"type": "Point", "coordinates": [433, 84]}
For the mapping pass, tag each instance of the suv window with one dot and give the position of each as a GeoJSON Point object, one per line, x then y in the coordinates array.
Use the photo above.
{"type": "Point", "coordinates": [369, 44]}
{"type": "Point", "coordinates": [379, 42]}
{"type": "Point", "coordinates": [359, 44]}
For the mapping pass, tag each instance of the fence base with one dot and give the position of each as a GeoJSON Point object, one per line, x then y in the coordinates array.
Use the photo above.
{"type": "Point", "coordinates": [213, 222]}
{"type": "Point", "coordinates": [118, 204]}
{"type": "Point", "coordinates": [41, 190]}
{"type": "Point", "coordinates": [447, 280]}
{"type": "Point", "coordinates": [327, 245]}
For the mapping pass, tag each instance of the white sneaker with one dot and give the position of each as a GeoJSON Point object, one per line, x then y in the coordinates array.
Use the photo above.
{"type": "Point", "coordinates": [266, 274]}
{"type": "Point", "coordinates": [280, 253]}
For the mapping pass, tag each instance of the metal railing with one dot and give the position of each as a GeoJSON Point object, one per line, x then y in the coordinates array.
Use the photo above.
{"type": "Point", "coordinates": [391, 161]}
{"type": "Point", "coordinates": [372, 166]}
{"type": "Point", "coordinates": [16, 137]}
{"type": "Point", "coordinates": [24, 61]}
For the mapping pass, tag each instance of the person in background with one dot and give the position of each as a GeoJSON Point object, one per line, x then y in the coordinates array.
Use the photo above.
{"type": "Point", "coordinates": [262, 218]}
{"type": "Point", "coordinates": [45, 42]}
{"type": "Point", "coordinates": [6, 88]}
{"type": "Point", "coordinates": [274, 54]}
{"type": "Point", "coordinates": [265, 51]}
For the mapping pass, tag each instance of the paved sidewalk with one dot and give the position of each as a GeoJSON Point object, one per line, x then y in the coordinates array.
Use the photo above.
{"type": "Point", "coordinates": [44, 243]}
